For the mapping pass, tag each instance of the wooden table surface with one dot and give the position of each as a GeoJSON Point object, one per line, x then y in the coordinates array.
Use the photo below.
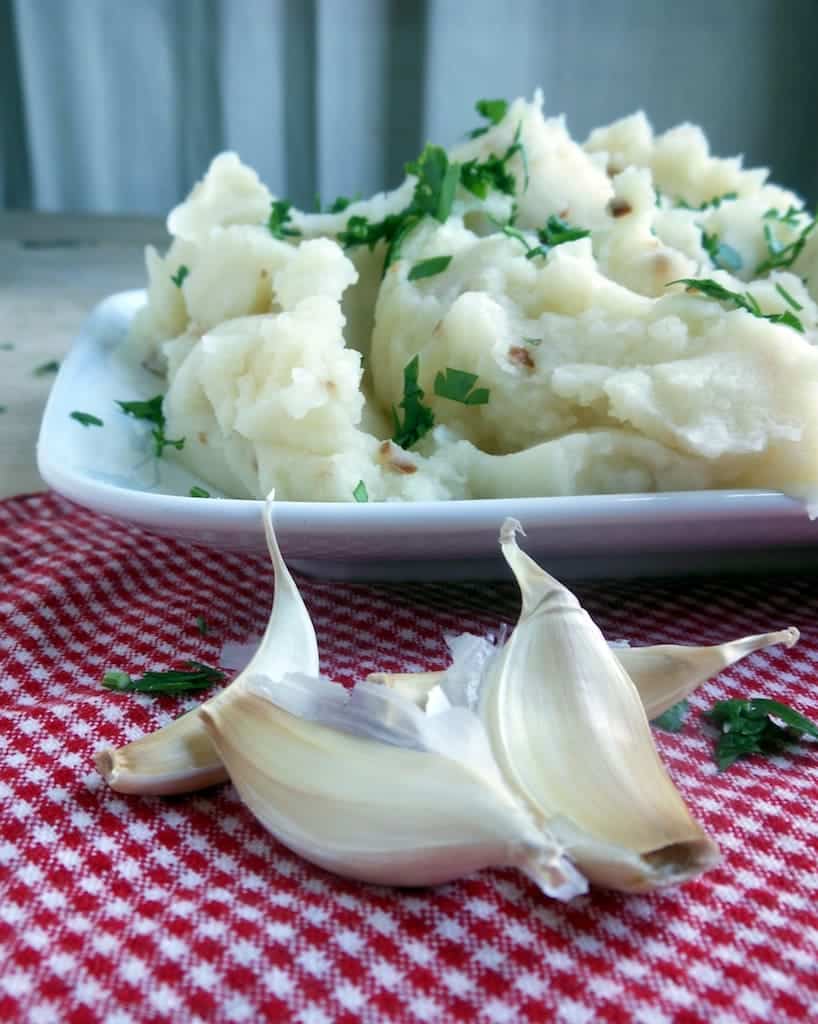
{"type": "Point", "coordinates": [53, 271]}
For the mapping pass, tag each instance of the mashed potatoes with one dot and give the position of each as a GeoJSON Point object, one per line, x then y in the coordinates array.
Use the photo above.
{"type": "Point", "coordinates": [530, 292]}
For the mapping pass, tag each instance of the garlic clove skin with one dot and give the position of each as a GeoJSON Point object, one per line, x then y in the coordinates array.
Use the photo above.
{"type": "Point", "coordinates": [374, 810]}
{"type": "Point", "coordinates": [664, 674]}
{"type": "Point", "coordinates": [180, 757]}
{"type": "Point", "coordinates": [571, 736]}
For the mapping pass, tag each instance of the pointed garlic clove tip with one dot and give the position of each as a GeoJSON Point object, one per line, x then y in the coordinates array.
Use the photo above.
{"type": "Point", "coordinates": [510, 527]}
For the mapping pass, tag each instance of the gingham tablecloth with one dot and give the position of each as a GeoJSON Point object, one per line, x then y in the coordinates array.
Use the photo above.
{"type": "Point", "coordinates": [123, 909]}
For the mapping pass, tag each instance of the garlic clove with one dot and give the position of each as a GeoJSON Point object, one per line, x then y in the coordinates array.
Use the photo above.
{"type": "Point", "coordinates": [386, 794]}
{"type": "Point", "coordinates": [664, 674]}
{"type": "Point", "coordinates": [571, 736]}
{"type": "Point", "coordinates": [180, 757]}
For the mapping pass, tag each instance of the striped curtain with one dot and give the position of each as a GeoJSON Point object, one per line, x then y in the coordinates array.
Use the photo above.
{"type": "Point", "coordinates": [118, 105]}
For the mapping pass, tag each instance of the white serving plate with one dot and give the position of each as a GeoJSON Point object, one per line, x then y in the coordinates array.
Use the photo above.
{"type": "Point", "coordinates": [111, 470]}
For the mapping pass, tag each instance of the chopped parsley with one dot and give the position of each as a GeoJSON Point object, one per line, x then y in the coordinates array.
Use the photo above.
{"type": "Point", "coordinates": [6, 346]}
{"type": "Point", "coordinates": [457, 385]}
{"type": "Point", "coordinates": [430, 267]}
{"type": "Point", "coordinates": [86, 419]}
{"type": "Point", "coordinates": [418, 419]}
{"type": "Point", "coordinates": [437, 182]}
{"type": "Point", "coordinates": [493, 111]}
{"type": "Point", "coordinates": [278, 223]}
{"type": "Point", "coordinates": [673, 719]}
{"type": "Point", "coordinates": [556, 232]}
{"type": "Point", "coordinates": [433, 196]}
{"type": "Point", "coordinates": [789, 217]}
{"type": "Point", "coordinates": [482, 176]}
{"type": "Point", "coordinates": [339, 204]}
{"type": "Point", "coordinates": [741, 300]}
{"type": "Point", "coordinates": [171, 681]}
{"type": "Point", "coordinates": [151, 412]}
{"type": "Point", "coordinates": [434, 193]}
{"type": "Point", "coordinates": [781, 256]}
{"type": "Point", "coordinates": [714, 203]}
{"type": "Point", "coordinates": [179, 277]}
{"type": "Point", "coordinates": [201, 625]}
{"type": "Point", "coordinates": [750, 727]}
{"type": "Point", "coordinates": [198, 492]}
{"type": "Point", "coordinates": [360, 493]}
{"type": "Point", "coordinates": [3, 409]}
{"type": "Point", "coordinates": [46, 369]}
{"type": "Point", "coordinates": [785, 295]}
{"type": "Point", "coordinates": [722, 255]}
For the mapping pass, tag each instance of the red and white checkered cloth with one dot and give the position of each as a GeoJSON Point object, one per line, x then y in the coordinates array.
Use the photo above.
{"type": "Point", "coordinates": [123, 909]}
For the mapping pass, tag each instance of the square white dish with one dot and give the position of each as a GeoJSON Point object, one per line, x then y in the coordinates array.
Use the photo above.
{"type": "Point", "coordinates": [111, 470]}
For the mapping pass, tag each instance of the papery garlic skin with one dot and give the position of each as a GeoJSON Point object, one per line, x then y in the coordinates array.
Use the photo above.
{"type": "Point", "coordinates": [571, 736]}
{"type": "Point", "coordinates": [180, 757]}
{"type": "Point", "coordinates": [375, 810]}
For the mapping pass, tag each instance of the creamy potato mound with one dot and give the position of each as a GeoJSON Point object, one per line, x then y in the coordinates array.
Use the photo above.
{"type": "Point", "coordinates": [630, 314]}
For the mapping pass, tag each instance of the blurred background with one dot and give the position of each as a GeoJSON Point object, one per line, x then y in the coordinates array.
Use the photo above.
{"type": "Point", "coordinates": [108, 106]}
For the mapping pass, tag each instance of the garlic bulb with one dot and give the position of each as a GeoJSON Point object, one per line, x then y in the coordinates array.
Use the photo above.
{"type": "Point", "coordinates": [180, 757]}
{"type": "Point", "coordinates": [386, 794]}
{"type": "Point", "coordinates": [663, 674]}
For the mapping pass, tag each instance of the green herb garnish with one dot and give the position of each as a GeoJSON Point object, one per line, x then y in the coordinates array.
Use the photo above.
{"type": "Point", "coordinates": [278, 221]}
{"type": "Point", "coordinates": [418, 418]}
{"type": "Point", "coordinates": [493, 111]}
{"type": "Point", "coordinates": [6, 346]}
{"type": "Point", "coordinates": [339, 204]}
{"type": "Point", "coordinates": [172, 681]}
{"type": "Point", "coordinates": [437, 182]}
{"type": "Point", "coordinates": [748, 727]}
{"type": "Point", "coordinates": [198, 492]}
{"type": "Point", "coordinates": [722, 255]}
{"type": "Point", "coordinates": [3, 409]}
{"type": "Point", "coordinates": [433, 196]}
{"type": "Point", "coordinates": [673, 719]}
{"type": "Point", "coordinates": [785, 295]}
{"type": "Point", "coordinates": [714, 203]}
{"type": "Point", "coordinates": [457, 385]}
{"type": "Point", "coordinates": [430, 267]}
{"type": "Point", "coordinates": [201, 624]}
{"type": "Point", "coordinates": [151, 412]}
{"type": "Point", "coordinates": [783, 256]}
{"type": "Point", "coordinates": [741, 300]}
{"type": "Point", "coordinates": [556, 232]}
{"type": "Point", "coordinates": [45, 369]}
{"type": "Point", "coordinates": [360, 492]}
{"type": "Point", "coordinates": [180, 275]}
{"type": "Point", "coordinates": [790, 217]}
{"type": "Point", "coordinates": [86, 419]}
{"type": "Point", "coordinates": [482, 176]}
